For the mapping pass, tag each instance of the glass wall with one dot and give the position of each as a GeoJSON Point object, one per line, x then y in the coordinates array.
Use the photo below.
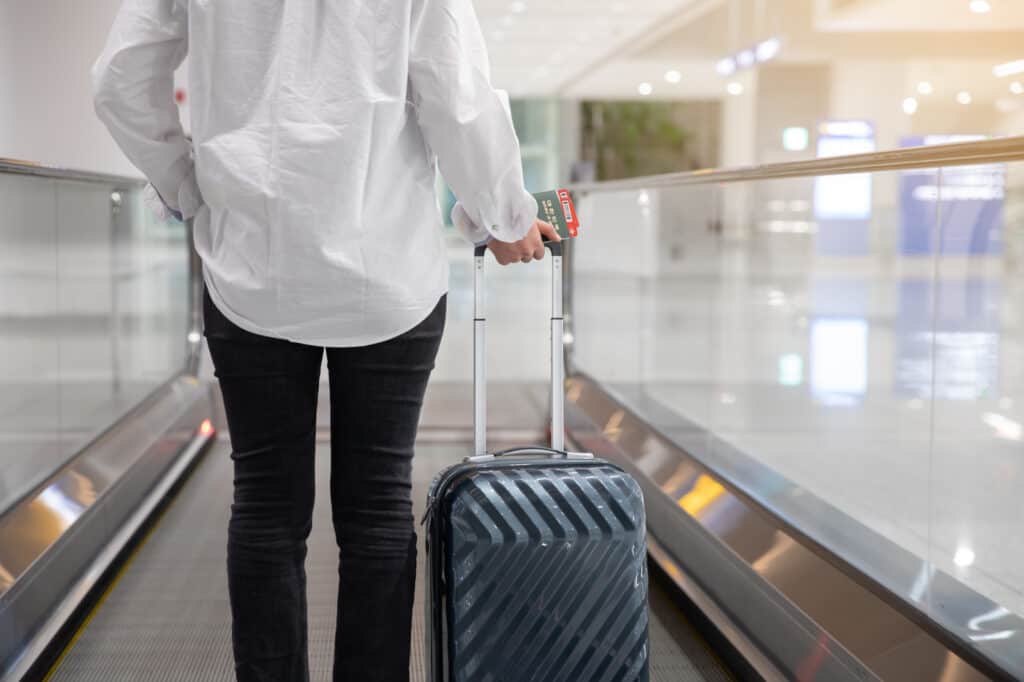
{"type": "Point", "coordinates": [93, 308]}
{"type": "Point", "coordinates": [860, 335]}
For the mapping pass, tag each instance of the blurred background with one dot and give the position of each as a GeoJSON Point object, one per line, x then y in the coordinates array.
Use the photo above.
{"type": "Point", "coordinates": [619, 88]}
{"type": "Point", "coordinates": [856, 339]}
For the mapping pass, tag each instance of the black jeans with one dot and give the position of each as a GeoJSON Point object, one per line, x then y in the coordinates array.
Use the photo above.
{"type": "Point", "coordinates": [270, 395]}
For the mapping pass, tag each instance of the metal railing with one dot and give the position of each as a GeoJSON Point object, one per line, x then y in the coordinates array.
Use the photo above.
{"type": "Point", "coordinates": [17, 167]}
{"type": "Point", "coordinates": [1000, 150]}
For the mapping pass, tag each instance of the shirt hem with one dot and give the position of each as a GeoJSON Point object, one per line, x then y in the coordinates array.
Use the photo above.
{"type": "Point", "coordinates": [422, 313]}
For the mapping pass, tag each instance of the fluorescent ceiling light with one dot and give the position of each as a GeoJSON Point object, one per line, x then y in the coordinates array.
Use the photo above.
{"type": "Point", "coordinates": [1017, 88]}
{"type": "Point", "coordinates": [745, 58]}
{"type": "Point", "coordinates": [1009, 69]}
{"type": "Point", "coordinates": [673, 76]}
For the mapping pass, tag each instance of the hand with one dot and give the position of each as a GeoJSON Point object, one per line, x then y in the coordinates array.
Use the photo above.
{"type": "Point", "coordinates": [527, 249]}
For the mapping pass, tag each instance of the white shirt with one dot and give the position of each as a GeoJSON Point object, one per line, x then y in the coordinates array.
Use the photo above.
{"type": "Point", "coordinates": [316, 129]}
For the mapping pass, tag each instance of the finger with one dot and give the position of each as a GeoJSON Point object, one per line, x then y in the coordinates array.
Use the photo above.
{"type": "Point", "coordinates": [525, 259]}
{"type": "Point", "coordinates": [539, 254]}
{"type": "Point", "coordinates": [549, 231]}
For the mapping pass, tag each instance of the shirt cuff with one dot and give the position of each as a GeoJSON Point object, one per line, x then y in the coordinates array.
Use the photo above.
{"type": "Point", "coordinates": [190, 199]}
{"type": "Point", "coordinates": [155, 202]}
{"type": "Point", "coordinates": [509, 225]}
{"type": "Point", "coordinates": [472, 232]}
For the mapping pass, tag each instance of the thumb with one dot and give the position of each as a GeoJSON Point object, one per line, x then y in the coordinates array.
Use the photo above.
{"type": "Point", "coordinates": [548, 230]}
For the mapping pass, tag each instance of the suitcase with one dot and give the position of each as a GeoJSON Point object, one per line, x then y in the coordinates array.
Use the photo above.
{"type": "Point", "coordinates": [536, 556]}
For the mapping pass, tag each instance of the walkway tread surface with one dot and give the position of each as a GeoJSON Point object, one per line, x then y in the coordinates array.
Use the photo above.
{"type": "Point", "coordinates": [166, 618]}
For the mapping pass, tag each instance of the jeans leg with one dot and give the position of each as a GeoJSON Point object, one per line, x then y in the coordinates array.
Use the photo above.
{"type": "Point", "coordinates": [270, 394]}
{"type": "Point", "coordinates": [376, 395]}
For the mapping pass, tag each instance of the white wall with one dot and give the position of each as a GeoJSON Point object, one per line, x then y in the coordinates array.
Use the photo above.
{"type": "Point", "coordinates": [46, 115]}
{"type": "Point", "coordinates": [6, 67]}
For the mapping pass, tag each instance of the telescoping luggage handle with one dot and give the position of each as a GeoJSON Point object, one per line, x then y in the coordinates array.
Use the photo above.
{"type": "Point", "coordinates": [557, 363]}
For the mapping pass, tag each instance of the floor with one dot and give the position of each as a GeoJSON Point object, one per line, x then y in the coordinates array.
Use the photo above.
{"type": "Point", "coordinates": [167, 616]}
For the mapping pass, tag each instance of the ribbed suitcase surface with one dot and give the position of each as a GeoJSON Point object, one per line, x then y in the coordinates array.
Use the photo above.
{"type": "Point", "coordinates": [544, 573]}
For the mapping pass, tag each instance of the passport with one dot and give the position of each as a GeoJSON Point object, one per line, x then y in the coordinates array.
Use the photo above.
{"type": "Point", "coordinates": [556, 207]}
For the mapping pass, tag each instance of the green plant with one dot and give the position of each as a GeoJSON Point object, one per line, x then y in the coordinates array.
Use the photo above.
{"type": "Point", "coordinates": [626, 139]}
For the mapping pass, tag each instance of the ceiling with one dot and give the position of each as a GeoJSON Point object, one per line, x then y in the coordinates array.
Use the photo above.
{"type": "Point", "coordinates": [918, 15]}
{"type": "Point", "coordinates": [538, 47]}
{"type": "Point", "coordinates": [606, 48]}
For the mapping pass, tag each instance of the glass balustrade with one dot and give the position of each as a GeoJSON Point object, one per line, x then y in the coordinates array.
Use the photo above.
{"type": "Point", "coordinates": [93, 316]}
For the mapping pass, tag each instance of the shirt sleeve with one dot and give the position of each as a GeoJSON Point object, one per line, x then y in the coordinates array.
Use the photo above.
{"type": "Point", "coordinates": [133, 89]}
{"type": "Point", "coordinates": [467, 123]}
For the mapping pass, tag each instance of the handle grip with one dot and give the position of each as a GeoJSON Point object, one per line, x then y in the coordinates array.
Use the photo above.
{"type": "Point", "coordinates": [555, 248]}
{"type": "Point", "coordinates": [480, 354]}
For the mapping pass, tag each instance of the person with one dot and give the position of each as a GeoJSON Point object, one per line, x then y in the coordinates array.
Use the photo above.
{"type": "Point", "coordinates": [316, 128]}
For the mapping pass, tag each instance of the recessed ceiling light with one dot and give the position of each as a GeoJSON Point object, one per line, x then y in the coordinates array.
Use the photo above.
{"type": "Point", "coordinates": [980, 6]}
{"type": "Point", "coordinates": [735, 88]}
{"type": "Point", "coordinates": [963, 97]}
{"type": "Point", "coordinates": [518, 7]}
{"type": "Point", "coordinates": [910, 106]}
{"type": "Point", "coordinates": [645, 89]}
{"type": "Point", "coordinates": [925, 88]}
{"type": "Point", "coordinates": [673, 76]}
{"type": "Point", "coordinates": [726, 67]}
{"type": "Point", "coordinates": [1017, 88]}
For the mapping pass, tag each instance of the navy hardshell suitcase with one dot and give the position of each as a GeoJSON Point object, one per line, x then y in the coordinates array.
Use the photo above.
{"type": "Point", "coordinates": [536, 556]}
